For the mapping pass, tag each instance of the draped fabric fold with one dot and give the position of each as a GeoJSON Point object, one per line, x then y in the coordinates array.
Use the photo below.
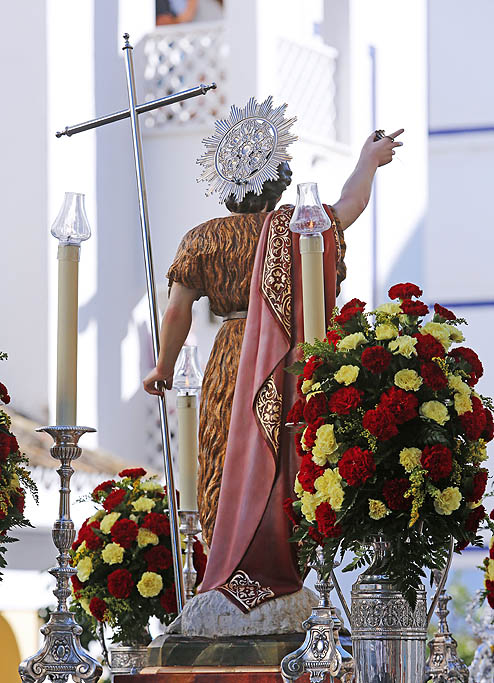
{"type": "Point", "coordinates": [251, 559]}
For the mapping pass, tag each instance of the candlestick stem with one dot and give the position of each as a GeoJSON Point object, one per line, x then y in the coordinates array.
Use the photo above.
{"type": "Point", "coordinates": [189, 526]}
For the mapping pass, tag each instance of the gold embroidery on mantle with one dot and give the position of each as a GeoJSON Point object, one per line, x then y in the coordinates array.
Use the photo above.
{"type": "Point", "coordinates": [249, 593]}
{"type": "Point", "coordinates": [268, 404]}
{"type": "Point", "coordinates": [276, 282]}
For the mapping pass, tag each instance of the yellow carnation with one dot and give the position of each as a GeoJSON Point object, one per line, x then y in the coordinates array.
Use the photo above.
{"type": "Point", "coordinates": [490, 570]}
{"type": "Point", "coordinates": [302, 441]}
{"type": "Point", "coordinates": [386, 331]}
{"type": "Point", "coordinates": [491, 543]}
{"type": "Point", "coordinates": [377, 509]}
{"type": "Point", "coordinates": [347, 374]}
{"type": "Point", "coordinates": [99, 514]}
{"type": "Point", "coordinates": [463, 404]}
{"type": "Point", "coordinates": [330, 488]}
{"type": "Point", "coordinates": [409, 380]}
{"type": "Point", "coordinates": [410, 458]}
{"type": "Point", "coordinates": [458, 385]}
{"type": "Point", "coordinates": [84, 569]}
{"type": "Point", "coordinates": [108, 521]}
{"type": "Point", "coordinates": [447, 501]}
{"type": "Point", "coordinates": [143, 504]}
{"type": "Point", "coordinates": [309, 503]}
{"type": "Point", "coordinates": [455, 334]}
{"type": "Point", "coordinates": [151, 485]}
{"type": "Point", "coordinates": [112, 553]}
{"type": "Point", "coordinates": [439, 331]}
{"type": "Point", "coordinates": [85, 606]}
{"type": "Point", "coordinates": [146, 537]}
{"type": "Point", "coordinates": [389, 309]}
{"type": "Point", "coordinates": [351, 341]}
{"type": "Point", "coordinates": [434, 410]}
{"type": "Point", "coordinates": [325, 445]}
{"type": "Point", "coordinates": [298, 487]}
{"type": "Point", "coordinates": [150, 584]}
{"type": "Point", "coordinates": [315, 389]}
{"type": "Point", "coordinates": [306, 385]}
{"type": "Point", "coordinates": [404, 345]}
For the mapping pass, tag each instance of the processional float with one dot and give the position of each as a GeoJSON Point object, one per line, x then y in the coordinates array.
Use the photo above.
{"type": "Point", "coordinates": [62, 654]}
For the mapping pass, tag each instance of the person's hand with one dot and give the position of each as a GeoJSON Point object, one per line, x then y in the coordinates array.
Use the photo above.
{"type": "Point", "coordinates": [381, 152]}
{"type": "Point", "coordinates": [156, 381]}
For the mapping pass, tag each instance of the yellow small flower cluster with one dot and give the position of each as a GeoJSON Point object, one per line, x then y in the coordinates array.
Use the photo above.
{"type": "Point", "coordinates": [377, 509]}
{"type": "Point", "coordinates": [417, 493]}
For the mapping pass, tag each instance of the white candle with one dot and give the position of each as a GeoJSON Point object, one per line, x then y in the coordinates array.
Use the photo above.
{"type": "Point", "coordinates": [187, 450]}
{"type": "Point", "coordinates": [311, 253]}
{"type": "Point", "coordinates": [68, 272]}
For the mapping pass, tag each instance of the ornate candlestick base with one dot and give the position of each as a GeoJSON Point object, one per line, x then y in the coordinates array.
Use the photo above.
{"type": "Point", "coordinates": [321, 652]}
{"type": "Point", "coordinates": [62, 654]}
{"type": "Point", "coordinates": [189, 526]}
{"type": "Point", "coordinates": [444, 665]}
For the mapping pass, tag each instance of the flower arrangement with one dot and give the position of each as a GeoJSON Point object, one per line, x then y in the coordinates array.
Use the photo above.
{"type": "Point", "coordinates": [392, 439]}
{"type": "Point", "coordinates": [124, 561]}
{"type": "Point", "coordinates": [14, 479]}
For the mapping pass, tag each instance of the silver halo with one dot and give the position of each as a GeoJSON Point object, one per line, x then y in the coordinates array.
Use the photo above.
{"type": "Point", "coordinates": [246, 149]}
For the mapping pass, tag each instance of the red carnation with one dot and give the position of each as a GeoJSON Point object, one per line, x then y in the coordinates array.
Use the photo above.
{"type": "Point", "coordinates": [87, 534]}
{"type": "Point", "coordinates": [298, 444]}
{"type": "Point", "coordinates": [433, 376]}
{"type": "Point", "coordinates": [333, 338]}
{"type": "Point", "coordinates": [311, 431]}
{"type": "Point", "coordinates": [346, 314]}
{"type": "Point", "coordinates": [354, 303]}
{"type": "Point", "coordinates": [478, 486]}
{"type": "Point", "coordinates": [490, 600]}
{"type": "Point", "coordinates": [326, 521]}
{"type": "Point", "coordinates": [20, 502]}
{"type": "Point", "coordinates": [356, 466]}
{"type": "Point", "coordinates": [376, 359]}
{"type": "Point", "coordinates": [120, 583]}
{"type": "Point", "coordinates": [133, 473]}
{"type": "Point", "coordinates": [474, 421]}
{"type": "Point", "coordinates": [491, 556]}
{"type": "Point", "coordinates": [474, 518]}
{"type": "Point", "coordinates": [316, 406]}
{"type": "Point", "coordinates": [394, 494]}
{"type": "Point", "coordinates": [124, 532]}
{"type": "Point", "coordinates": [97, 607]}
{"type": "Point", "coordinates": [200, 560]}
{"type": "Point", "coordinates": [489, 585]}
{"type": "Point", "coordinates": [14, 446]}
{"type": "Point", "coordinates": [468, 355]}
{"type": "Point", "coordinates": [4, 446]}
{"type": "Point", "coordinates": [308, 473]}
{"type": "Point", "coordinates": [157, 523]}
{"type": "Point", "coordinates": [427, 347]}
{"type": "Point", "coordinates": [300, 381]}
{"type": "Point", "coordinates": [488, 433]}
{"type": "Point", "coordinates": [404, 290]}
{"type": "Point", "coordinates": [437, 460]}
{"type": "Point", "coordinates": [403, 404]}
{"type": "Point", "coordinates": [113, 499]}
{"type": "Point", "coordinates": [311, 365]}
{"type": "Point", "coordinates": [158, 558]}
{"type": "Point", "coordinates": [104, 487]}
{"type": "Point", "coordinates": [417, 308]}
{"type": "Point", "coordinates": [297, 410]}
{"type": "Point", "coordinates": [315, 535]}
{"type": "Point", "coordinates": [4, 394]}
{"type": "Point", "coordinates": [444, 313]}
{"type": "Point", "coordinates": [381, 423]}
{"type": "Point", "coordinates": [344, 400]}
{"type": "Point", "coordinates": [77, 585]}
{"type": "Point", "coordinates": [168, 600]}
{"type": "Point", "coordinates": [290, 512]}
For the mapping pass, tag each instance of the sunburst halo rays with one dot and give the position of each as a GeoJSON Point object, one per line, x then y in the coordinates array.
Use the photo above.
{"type": "Point", "coordinates": [241, 158]}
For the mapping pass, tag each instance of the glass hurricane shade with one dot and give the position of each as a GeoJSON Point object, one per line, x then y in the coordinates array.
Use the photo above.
{"type": "Point", "coordinates": [71, 226]}
{"type": "Point", "coordinates": [309, 216]}
{"type": "Point", "coordinates": [188, 376]}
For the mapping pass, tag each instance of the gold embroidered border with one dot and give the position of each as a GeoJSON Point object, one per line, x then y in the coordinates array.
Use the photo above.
{"type": "Point", "coordinates": [268, 404]}
{"type": "Point", "coordinates": [276, 283]}
{"type": "Point", "coordinates": [249, 593]}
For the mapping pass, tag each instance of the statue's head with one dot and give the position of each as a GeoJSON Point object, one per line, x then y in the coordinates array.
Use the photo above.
{"type": "Point", "coordinates": [270, 194]}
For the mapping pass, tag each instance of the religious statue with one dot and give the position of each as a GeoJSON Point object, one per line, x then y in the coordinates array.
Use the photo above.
{"type": "Point", "coordinates": [247, 264]}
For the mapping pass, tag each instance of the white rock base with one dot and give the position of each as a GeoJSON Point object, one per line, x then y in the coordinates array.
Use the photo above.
{"type": "Point", "coordinates": [212, 615]}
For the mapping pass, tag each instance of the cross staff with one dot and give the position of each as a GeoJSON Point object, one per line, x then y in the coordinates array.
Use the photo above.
{"type": "Point", "coordinates": [132, 112]}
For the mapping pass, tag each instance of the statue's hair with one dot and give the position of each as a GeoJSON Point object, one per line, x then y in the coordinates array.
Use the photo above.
{"type": "Point", "coordinates": [271, 191]}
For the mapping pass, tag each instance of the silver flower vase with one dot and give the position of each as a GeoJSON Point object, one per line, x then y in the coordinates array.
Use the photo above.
{"type": "Point", "coordinates": [389, 638]}
{"type": "Point", "coordinates": [128, 659]}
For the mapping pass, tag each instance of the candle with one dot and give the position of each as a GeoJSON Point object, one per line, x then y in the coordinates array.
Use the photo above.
{"type": "Point", "coordinates": [71, 227]}
{"type": "Point", "coordinates": [187, 450]}
{"type": "Point", "coordinates": [68, 273]}
{"type": "Point", "coordinates": [311, 254]}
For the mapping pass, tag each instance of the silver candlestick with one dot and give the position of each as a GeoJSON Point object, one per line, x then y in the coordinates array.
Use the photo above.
{"type": "Point", "coordinates": [321, 652]}
{"type": "Point", "coordinates": [189, 526]}
{"type": "Point", "coordinates": [444, 665]}
{"type": "Point", "coordinates": [62, 654]}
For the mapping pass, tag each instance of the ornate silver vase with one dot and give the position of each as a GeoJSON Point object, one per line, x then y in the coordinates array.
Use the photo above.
{"type": "Point", "coordinates": [128, 659]}
{"type": "Point", "coordinates": [388, 638]}
{"type": "Point", "coordinates": [482, 666]}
